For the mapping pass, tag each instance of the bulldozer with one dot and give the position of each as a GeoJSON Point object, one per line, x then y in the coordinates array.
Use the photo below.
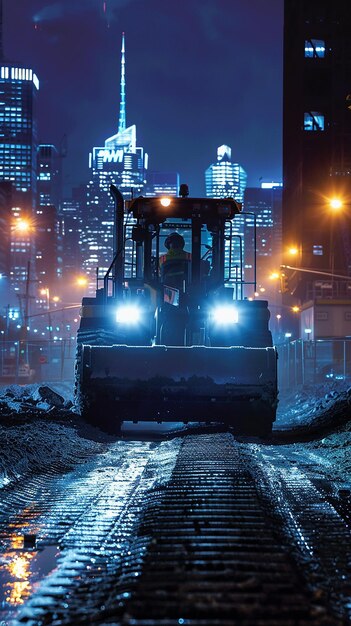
{"type": "Point", "coordinates": [174, 338]}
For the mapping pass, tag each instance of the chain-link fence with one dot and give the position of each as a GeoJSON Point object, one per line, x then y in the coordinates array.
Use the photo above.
{"type": "Point", "coordinates": [308, 362]}
{"type": "Point", "coordinates": [25, 362]}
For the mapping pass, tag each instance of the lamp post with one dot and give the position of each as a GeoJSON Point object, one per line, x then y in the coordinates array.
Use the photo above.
{"type": "Point", "coordinates": [336, 205]}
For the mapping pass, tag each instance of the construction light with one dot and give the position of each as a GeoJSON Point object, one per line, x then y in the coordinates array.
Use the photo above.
{"type": "Point", "coordinates": [165, 202]}
{"type": "Point", "coordinates": [225, 314]}
{"type": "Point", "coordinates": [128, 314]}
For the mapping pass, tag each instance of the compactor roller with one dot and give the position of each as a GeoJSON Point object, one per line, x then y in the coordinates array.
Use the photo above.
{"type": "Point", "coordinates": [170, 335]}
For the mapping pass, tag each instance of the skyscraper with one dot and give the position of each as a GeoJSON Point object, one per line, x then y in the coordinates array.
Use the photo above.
{"type": "Point", "coordinates": [48, 175]}
{"type": "Point", "coordinates": [71, 211]}
{"type": "Point", "coordinates": [18, 128]}
{"type": "Point", "coordinates": [19, 87]}
{"type": "Point", "coordinates": [263, 205]}
{"type": "Point", "coordinates": [317, 137]}
{"type": "Point", "coordinates": [162, 184]}
{"type": "Point", "coordinates": [122, 163]}
{"type": "Point", "coordinates": [47, 260]}
{"type": "Point", "coordinates": [226, 179]}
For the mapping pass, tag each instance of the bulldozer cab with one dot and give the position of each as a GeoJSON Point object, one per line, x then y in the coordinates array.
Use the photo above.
{"type": "Point", "coordinates": [204, 225]}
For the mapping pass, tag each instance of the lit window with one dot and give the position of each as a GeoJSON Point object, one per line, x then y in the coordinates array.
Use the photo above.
{"type": "Point", "coordinates": [313, 120]}
{"type": "Point", "coordinates": [318, 250]}
{"type": "Point", "coordinates": [314, 48]}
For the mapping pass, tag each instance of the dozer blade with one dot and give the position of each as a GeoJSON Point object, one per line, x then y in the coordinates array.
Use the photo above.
{"type": "Point", "coordinates": [234, 385]}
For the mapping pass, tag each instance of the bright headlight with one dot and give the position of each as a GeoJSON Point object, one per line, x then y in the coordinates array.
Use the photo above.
{"type": "Point", "coordinates": [128, 314]}
{"type": "Point", "coordinates": [225, 314]}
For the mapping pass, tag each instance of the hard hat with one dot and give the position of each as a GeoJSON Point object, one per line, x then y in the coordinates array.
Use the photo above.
{"type": "Point", "coordinates": [176, 239]}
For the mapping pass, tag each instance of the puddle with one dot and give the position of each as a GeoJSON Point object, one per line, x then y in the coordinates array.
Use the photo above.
{"type": "Point", "coordinates": [20, 572]}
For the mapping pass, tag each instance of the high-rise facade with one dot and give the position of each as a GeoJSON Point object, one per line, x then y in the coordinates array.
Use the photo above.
{"type": "Point", "coordinates": [71, 211]}
{"type": "Point", "coordinates": [19, 87]}
{"type": "Point", "coordinates": [317, 137]}
{"type": "Point", "coordinates": [122, 163]}
{"type": "Point", "coordinates": [48, 261]}
{"type": "Point", "coordinates": [48, 175]}
{"type": "Point", "coordinates": [263, 206]}
{"type": "Point", "coordinates": [162, 184]}
{"type": "Point", "coordinates": [5, 217]}
{"type": "Point", "coordinates": [226, 179]}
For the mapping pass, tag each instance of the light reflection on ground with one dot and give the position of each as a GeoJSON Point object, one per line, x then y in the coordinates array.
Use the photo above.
{"type": "Point", "coordinates": [21, 571]}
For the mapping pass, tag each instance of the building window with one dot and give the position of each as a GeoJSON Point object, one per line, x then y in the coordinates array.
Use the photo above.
{"type": "Point", "coordinates": [318, 250]}
{"type": "Point", "coordinates": [314, 48]}
{"type": "Point", "coordinates": [313, 120]}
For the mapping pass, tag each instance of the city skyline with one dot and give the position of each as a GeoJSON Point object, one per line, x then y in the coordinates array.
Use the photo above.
{"type": "Point", "coordinates": [181, 118]}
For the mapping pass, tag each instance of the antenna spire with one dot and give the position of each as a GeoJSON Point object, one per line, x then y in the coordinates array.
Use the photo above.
{"type": "Point", "coordinates": [122, 106]}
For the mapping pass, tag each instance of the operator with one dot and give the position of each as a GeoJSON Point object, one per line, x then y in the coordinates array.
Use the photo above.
{"type": "Point", "coordinates": [171, 268]}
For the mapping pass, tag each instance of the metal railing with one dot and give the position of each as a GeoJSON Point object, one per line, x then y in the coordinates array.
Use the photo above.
{"type": "Point", "coordinates": [313, 362]}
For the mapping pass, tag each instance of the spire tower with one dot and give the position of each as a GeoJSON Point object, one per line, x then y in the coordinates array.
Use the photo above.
{"type": "Point", "coordinates": [122, 105]}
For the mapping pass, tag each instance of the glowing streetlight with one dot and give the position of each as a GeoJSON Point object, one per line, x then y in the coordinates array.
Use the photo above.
{"type": "Point", "coordinates": [293, 251]}
{"type": "Point", "coordinates": [336, 204]}
{"type": "Point", "coordinates": [295, 309]}
{"type": "Point", "coordinates": [274, 275]}
{"type": "Point", "coordinates": [82, 281]}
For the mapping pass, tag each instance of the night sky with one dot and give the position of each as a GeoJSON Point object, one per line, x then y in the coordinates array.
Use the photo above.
{"type": "Point", "coordinates": [199, 73]}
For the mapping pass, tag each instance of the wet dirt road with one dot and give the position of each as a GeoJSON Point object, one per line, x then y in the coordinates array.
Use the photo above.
{"type": "Point", "coordinates": [200, 529]}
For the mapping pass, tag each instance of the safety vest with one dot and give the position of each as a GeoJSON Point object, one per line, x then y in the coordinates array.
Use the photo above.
{"type": "Point", "coordinates": [175, 255]}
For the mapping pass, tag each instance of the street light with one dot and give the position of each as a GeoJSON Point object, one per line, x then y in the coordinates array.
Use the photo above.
{"type": "Point", "coordinates": [82, 281]}
{"type": "Point", "coordinates": [293, 251]}
{"type": "Point", "coordinates": [336, 205]}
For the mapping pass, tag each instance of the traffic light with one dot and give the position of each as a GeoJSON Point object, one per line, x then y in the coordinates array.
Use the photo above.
{"type": "Point", "coordinates": [284, 283]}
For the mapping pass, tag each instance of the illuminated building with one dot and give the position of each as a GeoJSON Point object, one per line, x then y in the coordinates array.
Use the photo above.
{"type": "Point", "coordinates": [48, 176]}
{"type": "Point", "coordinates": [265, 203]}
{"type": "Point", "coordinates": [71, 210]}
{"type": "Point", "coordinates": [317, 139]}
{"type": "Point", "coordinates": [5, 241]}
{"type": "Point", "coordinates": [122, 163]}
{"type": "Point", "coordinates": [161, 184]}
{"type": "Point", "coordinates": [47, 237]}
{"type": "Point", "coordinates": [224, 178]}
{"type": "Point", "coordinates": [19, 87]}
{"type": "Point", "coordinates": [18, 128]}
{"type": "Point", "coordinates": [227, 179]}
